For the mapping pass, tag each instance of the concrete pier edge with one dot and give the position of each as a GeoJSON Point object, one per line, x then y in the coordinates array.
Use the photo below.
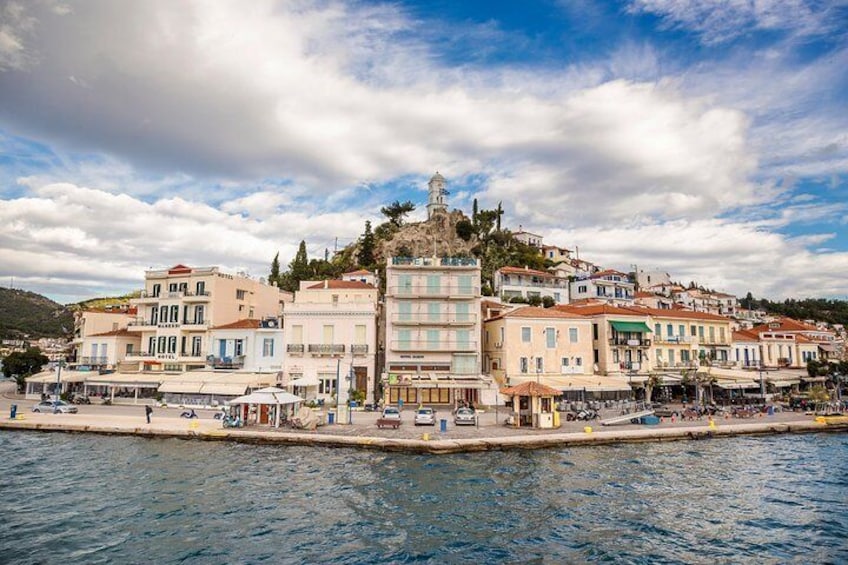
{"type": "Point", "coordinates": [438, 446]}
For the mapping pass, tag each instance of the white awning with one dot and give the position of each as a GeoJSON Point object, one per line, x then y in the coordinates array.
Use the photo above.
{"type": "Point", "coordinates": [309, 380]}
{"type": "Point", "coordinates": [267, 398]}
{"type": "Point", "coordinates": [181, 387]}
{"type": "Point", "coordinates": [736, 385]}
{"type": "Point", "coordinates": [224, 389]}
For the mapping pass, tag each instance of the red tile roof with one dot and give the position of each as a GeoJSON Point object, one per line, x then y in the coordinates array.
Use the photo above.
{"type": "Point", "coordinates": [607, 272]}
{"type": "Point", "coordinates": [341, 285]}
{"type": "Point", "coordinates": [524, 271]}
{"type": "Point", "coordinates": [246, 324]}
{"type": "Point", "coordinates": [359, 272]}
{"type": "Point", "coordinates": [598, 309]}
{"type": "Point", "coordinates": [537, 312]}
{"type": "Point", "coordinates": [745, 335]}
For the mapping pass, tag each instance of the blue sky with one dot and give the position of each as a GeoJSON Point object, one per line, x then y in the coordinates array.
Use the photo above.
{"type": "Point", "coordinates": [709, 140]}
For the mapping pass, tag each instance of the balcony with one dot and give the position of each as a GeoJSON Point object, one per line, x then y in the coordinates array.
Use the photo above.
{"type": "Point", "coordinates": [203, 296]}
{"type": "Point", "coordinates": [359, 349]}
{"type": "Point", "coordinates": [236, 362]}
{"type": "Point", "coordinates": [140, 325]}
{"type": "Point", "coordinates": [326, 348]}
{"type": "Point", "coordinates": [137, 355]}
{"type": "Point", "coordinates": [452, 319]}
{"type": "Point", "coordinates": [441, 291]}
{"type": "Point", "coordinates": [92, 361]}
{"type": "Point", "coordinates": [294, 348]}
{"type": "Point", "coordinates": [629, 342]}
{"type": "Point", "coordinates": [424, 345]}
{"type": "Point", "coordinates": [193, 325]}
{"type": "Point", "coordinates": [673, 339]}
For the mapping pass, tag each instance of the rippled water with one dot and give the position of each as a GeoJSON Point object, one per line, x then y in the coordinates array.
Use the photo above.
{"type": "Point", "coordinates": [92, 499]}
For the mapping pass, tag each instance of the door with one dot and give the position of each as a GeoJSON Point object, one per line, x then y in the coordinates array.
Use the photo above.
{"type": "Point", "coordinates": [361, 378]}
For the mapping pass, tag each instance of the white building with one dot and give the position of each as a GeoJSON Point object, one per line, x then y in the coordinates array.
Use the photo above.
{"type": "Point", "coordinates": [331, 338]}
{"type": "Point", "coordinates": [527, 238]}
{"type": "Point", "coordinates": [363, 276]}
{"type": "Point", "coordinates": [647, 279]}
{"type": "Point", "coordinates": [609, 286]}
{"type": "Point", "coordinates": [247, 345]}
{"type": "Point", "coordinates": [526, 283]}
{"type": "Point", "coordinates": [436, 197]}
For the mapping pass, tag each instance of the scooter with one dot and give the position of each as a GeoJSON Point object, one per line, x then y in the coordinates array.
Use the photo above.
{"type": "Point", "coordinates": [189, 414]}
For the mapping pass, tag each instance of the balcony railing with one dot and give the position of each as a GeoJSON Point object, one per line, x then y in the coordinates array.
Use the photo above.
{"type": "Point", "coordinates": [236, 362]}
{"type": "Point", "coordinates": [629, 342]}
{"type": "Point", "coordinates": [294, 348]}
{"type": "Point", "coordinates": [359, 348]}
{"type": "Point", "coordinates": [424, 345]}
{"type": "Point", "coordinates": [197, 296]}
{"type": "Point", "coordinates": [423, 318]}
{"type": "Point", "coordinates": [673, 339]}
{"type": "Point", "coordinates": [441, 290]}
{"type": "Point", "coordinates": [92, 361]}
{"type": "Point", "coordinates": [326, 348]}
{"type": "Point", "coordinates": [562, 284]}
{"type": "Point", "coordinates": [137, 354]}
{"type": "Point", "coordinates": [139, 322]}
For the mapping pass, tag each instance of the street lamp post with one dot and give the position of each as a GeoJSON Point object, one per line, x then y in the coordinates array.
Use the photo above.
{"type": "Point", "coordinates": [59, 378]}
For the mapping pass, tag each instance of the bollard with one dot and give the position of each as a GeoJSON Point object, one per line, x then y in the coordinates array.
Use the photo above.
{"type": "Point", "coordinates": [426, 436]}
{"type": "Point", "coordinates": [587, 429]}
{"type": "Point", "coordinates": [331, 418]}
{"type": "Point", "coordinates": [443, 425]}
{"type": "Point", "coordinates": [14, 412]}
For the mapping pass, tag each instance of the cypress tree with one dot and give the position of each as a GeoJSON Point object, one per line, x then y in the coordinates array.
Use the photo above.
{"type": "Point", "coordinates": [366, 247]}
{"type": "Point", "coordinates": [274, 277]}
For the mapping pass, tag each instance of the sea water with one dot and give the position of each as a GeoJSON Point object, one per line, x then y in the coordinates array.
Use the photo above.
{"type": "Point", "coordinates": [100, 499]}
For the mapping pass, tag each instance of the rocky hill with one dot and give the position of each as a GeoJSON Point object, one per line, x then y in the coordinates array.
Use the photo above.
{"type": "Point", "coordinates": [26, 314]}
{"type": "Point", "coordinates": [436, 237]}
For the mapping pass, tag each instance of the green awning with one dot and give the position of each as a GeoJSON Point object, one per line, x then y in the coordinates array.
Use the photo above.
{"type": "Point", "coordinates": [633, 327]}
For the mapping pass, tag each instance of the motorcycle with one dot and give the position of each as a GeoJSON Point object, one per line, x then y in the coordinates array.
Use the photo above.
{"type": "Point", "coordinates": [189, 414]}
{"type": "Point", "coordinates": [587, 414]}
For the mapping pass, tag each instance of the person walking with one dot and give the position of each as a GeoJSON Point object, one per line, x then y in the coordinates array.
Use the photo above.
{"type": "Point", "coordinates": [147, 412]}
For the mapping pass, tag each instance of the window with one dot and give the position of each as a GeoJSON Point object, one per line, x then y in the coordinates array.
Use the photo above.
{"type": "Point", "coordinates": [615, 357]}
{"type": "Point", "coordinates": [434, 311]}
{"type": "Point", "coordinates": [163, 314]}
{"type": "Point", "coordinates": [712, 333]}
{"type": "Point", "coordinates": [240, 294]}
{"type": "Point", "coordinates": [540, 364]}
{"type": "Point", "coordinates": [238, 348]}
{"type": "Point", "coordinates": [525, 335]}
{"type": "Point", "coordinates": [582, 289]}
{"type": "Point", "coordinates": [701, 332]}
{"type": "Point", "coordinates": [595, 332]}
{"type": "Point", "coordinates": [326, 383]}
{"type": "Point", "coordinates": [163, 345]}
{"type": "Point", "coordinates": [657, 330]}
{"type": "Point", "coordinates": [597, 356]}
{"type": "Point", "coordinates": [434, 284]}
{"type": "Point", "coordinates": [565, 361]}
{"type": "Point", "coordinates": [464, 364]}
{"type": "Point", "coordinates": [404, 284]}
{"type": "Point", "coordinates": [404, 339]}
{"type": "Point", "coordinates": [671, 357]}
{"type": "Point", "coordinates": [151, 346]}
{"type": "Point", "coordinates": [297, 334]}
{"type": "Point", "coordinates": [572, 335]}
{"type": "Point", "coordinates": [669, 330]}
{"type": "Point", "coordinates": [523, 366]}
{"type": "Point", "coordinates": [550, 338]}
{"type": "Point", "coordinates": [463, 339]}
{"type": "Point", "coordinates": [692, 331]}
{"type": "Point", "coordinates": [172, 287]}
{"type": "Point", "coordinates": [335, 298]}
{"type": "Point", "coordinates": [462, 312]}
{"type": "Point", "coordinates": [200, 288]}
{"type": "Point", "coordinates": [465, 286]}
{"type": "Point", "coordinates": [268, 347]}
{"type": "Point", "coordinates": [721, 335]}
{"type": "Point", "coordinates": [175, 313]}
{"type": "Point", "coordinates": [157, 290]}
{"type": "Point", "coordinates": [556, 297]}
{"type": "Point", "coordinates": [681, 330]}
{"type": "Point", "coordinates": [198, 314]}
{"type": "Point", "coordinates": [154, 316]}
{"type": "Point", "coordinates": [172, 344]}
{"type": "Point", "coordinates": [183, 288]}
{"type": "Point", "coordinates": [578, 361]}
{"type": "Point", "coordinates": [404, 311]}
{"type": "Point", "coordinates": [359, 334]}
{"type": "Point", "coordinates": [684, 355]}
{"type": "Point", "coordinates": [433, 339]}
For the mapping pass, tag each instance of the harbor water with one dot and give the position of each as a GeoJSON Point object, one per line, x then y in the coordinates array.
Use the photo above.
{"type": "Point", "coordinates": [100, 499]}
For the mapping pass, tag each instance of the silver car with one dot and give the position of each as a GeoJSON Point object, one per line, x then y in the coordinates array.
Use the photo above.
{"type": "Point", "coordinates": [425, 417]}
{"type": "Point", "coordinates": [55, 406]}
{"type": "Point", "coordinates": [465, 417]}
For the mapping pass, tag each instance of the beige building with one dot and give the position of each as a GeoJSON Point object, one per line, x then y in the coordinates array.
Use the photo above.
{"type": "Point", "coordinates": [331, 339]}
{"type": "Point", "coordinates": [179, 305]}
{"type": "Point", "coordinates": [433, 328]}
{"type": "Point", "coordinates": [783, 342]}
{"type": "Point", "coordinates": [537, 343]}
{"type": "Point", "coordinates": [681, 338]}
{"type": "Point", "coordinates": [527, 283]}
{"type": "Point", "coordinates": [100, 339]}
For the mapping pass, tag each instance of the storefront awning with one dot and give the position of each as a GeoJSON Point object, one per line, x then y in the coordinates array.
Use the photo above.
{"type": "Point", "coordinates": [736, 385]}
{"type": "Point", "coordinates": [179, 387]}
{"type": "Point", "coordinates": [224, 389]}
{"type": "Point", "coordinates": [633, 327]}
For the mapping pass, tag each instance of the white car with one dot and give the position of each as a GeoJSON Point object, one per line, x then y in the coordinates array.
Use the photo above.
{"type": "Point", "coordinates": [465, 417]}
{"type": "Point", "coordinates": [425, 417]}
{"type": "Point", "coordinates": [390, 413]}
{"type": "Point", "coordinates": [55, 406]}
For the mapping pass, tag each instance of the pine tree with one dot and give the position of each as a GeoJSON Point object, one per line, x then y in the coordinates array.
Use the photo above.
{"type": "Point", "coordinates": [298, 270]}
{"type": "Point", "coordinates": [274, 277]}
{"type": "Point", "coordinates": [366, 247]}
{"type": "Point", "coordinates": [499, 211]}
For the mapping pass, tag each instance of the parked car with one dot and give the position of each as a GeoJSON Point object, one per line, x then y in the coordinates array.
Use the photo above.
{"type": "Point", "coordinates": [390, 413]}
{"type": "Point", "coordinates": [425, 417]}
{"type": "Point", "coordinates": [54, 406]}
{"type": "Point", "coordinates": [465, 417]}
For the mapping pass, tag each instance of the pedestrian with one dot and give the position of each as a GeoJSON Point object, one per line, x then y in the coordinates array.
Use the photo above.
{"type": "Point", "coordinates": [147, 412]}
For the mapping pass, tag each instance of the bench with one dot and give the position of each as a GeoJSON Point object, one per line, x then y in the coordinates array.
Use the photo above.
{"type": "Point", "coordinates": [388, 423]}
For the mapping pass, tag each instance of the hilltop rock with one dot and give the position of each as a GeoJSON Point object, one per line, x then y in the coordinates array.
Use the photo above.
{"type": "Point", "coordinates": [434, 237]}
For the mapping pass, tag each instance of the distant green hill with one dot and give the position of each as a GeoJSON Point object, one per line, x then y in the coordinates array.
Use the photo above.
{"type": "Point", "coordinates": [27, 314]}
{"type": "Point", "coordinates": [104, 302]}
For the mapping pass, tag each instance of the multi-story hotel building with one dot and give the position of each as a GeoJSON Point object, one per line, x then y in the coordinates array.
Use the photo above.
{"type": "Point", "coordinates": [608, 286]}
{"type": "Point", "coordinates": [433, 328]}
{"type": "Point", "coordinates": [179, 305]}
{"type": "Point", "coordinates": [331, 338]}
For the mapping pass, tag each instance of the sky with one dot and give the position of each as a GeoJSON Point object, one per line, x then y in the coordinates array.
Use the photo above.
{"type": "Point", "coordinates": [708, 140]}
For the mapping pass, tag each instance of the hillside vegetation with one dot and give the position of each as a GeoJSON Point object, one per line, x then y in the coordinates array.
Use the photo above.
{"type": "Point", "coordinates": [26, 314]}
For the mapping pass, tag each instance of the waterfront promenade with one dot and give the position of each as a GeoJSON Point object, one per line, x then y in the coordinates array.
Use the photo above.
{"type": "Point", "coordinates": [491, 434]}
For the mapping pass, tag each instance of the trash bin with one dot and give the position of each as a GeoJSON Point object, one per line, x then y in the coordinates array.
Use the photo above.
{"type": "Point", "coordinates": [14, 412]}
{"type": "Point", "coordinates": [331, 418]}
{"type": "Point", "coordinates": [443, 425]}
{"type": "Point", "coordinates": [771, 410]}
